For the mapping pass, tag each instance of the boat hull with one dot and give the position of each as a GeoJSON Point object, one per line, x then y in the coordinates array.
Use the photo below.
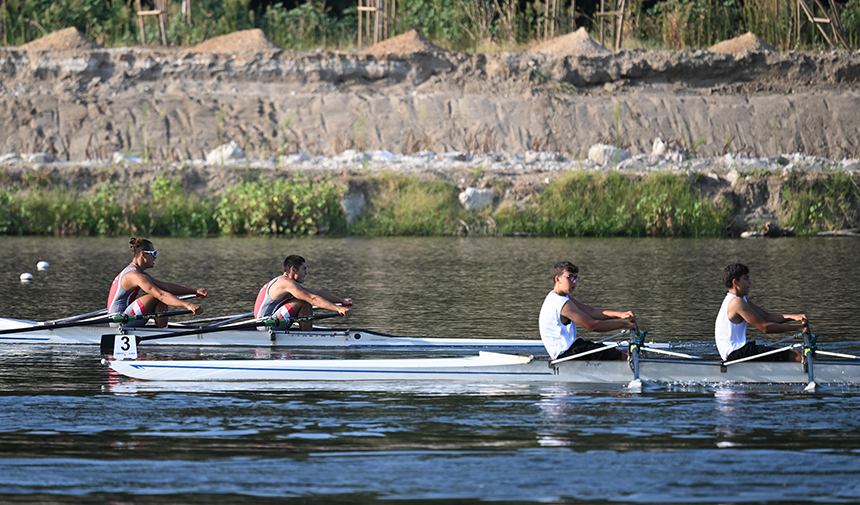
{"type": "Point", "coordinates": [487, 367]}
{"type": "Point", "coordinates": [92, 335]}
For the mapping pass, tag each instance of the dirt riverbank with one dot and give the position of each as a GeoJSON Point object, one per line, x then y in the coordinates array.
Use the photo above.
{"type": "Point", "coordinates": [69, 97]}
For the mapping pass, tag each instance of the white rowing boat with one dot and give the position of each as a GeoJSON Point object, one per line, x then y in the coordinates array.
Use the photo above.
{"type": "Point", "coordinates": [252, 337]}
{"type": "Point", "coordinates": [493, 368]}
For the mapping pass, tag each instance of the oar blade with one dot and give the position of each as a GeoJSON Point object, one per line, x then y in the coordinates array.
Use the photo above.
{"type": "Point", "coordinates": [107, 343]}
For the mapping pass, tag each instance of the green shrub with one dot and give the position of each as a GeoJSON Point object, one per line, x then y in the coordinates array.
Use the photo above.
{"type": "Point", "coordinates": [402, 205]}
{"type": "Point", "coordinates": [822, 203]}
{"type": "Point", "coordinates": [582, 204]}
{"type": "Point", "coordinates": [291, 206]}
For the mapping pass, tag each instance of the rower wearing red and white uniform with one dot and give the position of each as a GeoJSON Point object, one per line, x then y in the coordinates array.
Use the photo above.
{"type": "Point", "coordinates": [120, 298]}
{"type": "Point", "coordinates": [285, 297]}
{"type": "Point", "coordinates": [266, 306]}
{"type": "Point", "coordinates": [159, 295]}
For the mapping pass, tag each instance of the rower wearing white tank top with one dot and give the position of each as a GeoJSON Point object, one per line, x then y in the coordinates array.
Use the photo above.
{"type": "Point", "coordinates": [560, 314]}
{"type": "Point", "coordinates": [737, 313]}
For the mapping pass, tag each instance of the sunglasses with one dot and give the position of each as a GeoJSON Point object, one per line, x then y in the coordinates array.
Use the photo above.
{"type": "Point", "coordinates": [570, 278]}
{"type": "Point", "coordinates": [153, 253]}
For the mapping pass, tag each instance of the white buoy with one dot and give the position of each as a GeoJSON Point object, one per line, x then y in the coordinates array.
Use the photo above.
{"type": "Point", "coordinates": [26, 277]}
{"type": "Point", "coordinates": [42, 265]}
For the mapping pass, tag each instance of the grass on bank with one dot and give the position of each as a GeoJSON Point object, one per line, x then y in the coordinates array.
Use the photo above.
{"type": "Point", "coordinates": [822, 203]}
{"type": "Point", "coordinates": [582, 204]}
{"type": "Point", "coordinates": [462, 25]}
{"type": "Point", "coordinates": [578, 204]}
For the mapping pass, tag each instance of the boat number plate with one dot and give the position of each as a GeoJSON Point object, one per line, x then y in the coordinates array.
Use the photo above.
{"type": "Point", "coordinates": [125, 347]}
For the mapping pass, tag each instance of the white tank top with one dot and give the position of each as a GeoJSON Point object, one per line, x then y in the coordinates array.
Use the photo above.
{"type": "Point", "coordinates": [120, 298]}
{"type": "Point", "coordinates": [729, 336]}
{"type": "Point", "coordinates": [556, 336]}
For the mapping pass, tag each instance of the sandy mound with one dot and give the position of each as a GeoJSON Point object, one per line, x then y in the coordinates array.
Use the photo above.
{"type": "Point", "coordinates": [245, 41]}
{"type": "Point", "coordinates": [746, 42]}
{"type": "Point", "coordinates": [67, 38]}
{"type": "Point", "coordinates": [407, 43]}
{"type": "Point", "coordinates": [572, 44]}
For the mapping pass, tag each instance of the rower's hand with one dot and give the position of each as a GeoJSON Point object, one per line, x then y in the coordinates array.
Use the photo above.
{"type": "Point", "coordinates": [629, 315]}
{"type": "Point", "coordinates": [195, 309]}
{"type": "Point", "coordinates": [805, 322]}
{"type": "Point", "coordinates": [343, 311]}
{"type": "Point", "coordinates": [347, 302]}
{"type": "Point", "coordinates": [202, 293]}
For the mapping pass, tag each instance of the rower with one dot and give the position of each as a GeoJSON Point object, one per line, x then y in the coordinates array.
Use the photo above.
{"type": "Point", "coordinates": [285, 297]}
{"type": "Point", "coordinates": [159, 295]}
{"type": "Point", "coordinates": [560, 314]}
{"type": "Point", "coordinates": [737, 313]}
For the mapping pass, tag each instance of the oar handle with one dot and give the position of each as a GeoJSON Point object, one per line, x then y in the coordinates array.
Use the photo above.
{"type": "Point", "coordinates": [268, 323]}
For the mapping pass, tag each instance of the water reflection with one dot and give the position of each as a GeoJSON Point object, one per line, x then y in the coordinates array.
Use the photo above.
{"type": "Point", "coordinates": [460, 287]}
{"type": "Point", "coordinates": [727, 420]}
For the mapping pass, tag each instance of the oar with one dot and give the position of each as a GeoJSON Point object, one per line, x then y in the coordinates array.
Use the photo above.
{"type": "Point", "coordinates": [123, 318]}
{"type": "Point", "coordinates": [268, 323]}
{"type": "Point", "coordinates": [234, 318]}
{"type": "Point", "coordinates": [100, 311]}
{"type": "Point", "coordinates": [809, 354]}
{"type": "Point", "coordinates": [586, 353]}
{"type": "Point", "coordinates": [222, 319]}
{"type": "Point", "coordinates": [612, 337]}
{"type": "Point", "coordinates": [786, 339]}
{"type": "Point", "coordinates": [75, 318]}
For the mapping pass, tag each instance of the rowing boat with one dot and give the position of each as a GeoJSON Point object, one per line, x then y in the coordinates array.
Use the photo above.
{"type": "Point", "coordinates": [492, 368]}
{"type": "Point", "coordinates": [252, 337]}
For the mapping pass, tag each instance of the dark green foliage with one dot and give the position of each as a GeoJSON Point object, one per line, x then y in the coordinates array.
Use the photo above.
{"type": "Point", "coordinates": [402, 205]}
{"type": "Point", "coordinates": [822, 203]}
{"type": "Point", "coordinates": [453, 24]}
{"type": "Point", "coordinates": [292, 206]}
{"type": "Point", "coordinates": [578, 204]}
{"type": "Point", "coordinates": [582, 204]}
{"type": "Point", "coordinates": [289, 206]}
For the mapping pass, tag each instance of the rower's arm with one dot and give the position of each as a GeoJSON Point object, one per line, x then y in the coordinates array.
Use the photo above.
{"type": "Point", "coordinates": [177, 289]}
{"type": "Point", "coordinates": [767, 322]}
{"type": "Point", "coordinates": [314, 297]}
{"type": "Point", "coordinates": [583, 315]}
{"type": "Point", "coordinates": [153, 287]}
{"type": "Point", "coordinates": [331, 298]}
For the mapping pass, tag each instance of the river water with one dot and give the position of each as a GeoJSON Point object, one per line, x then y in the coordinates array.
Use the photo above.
{"type": "Point", "coordinates": [70, 432]}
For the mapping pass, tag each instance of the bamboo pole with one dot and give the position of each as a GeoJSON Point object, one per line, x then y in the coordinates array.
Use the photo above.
{"type": "Point", "coordinates": [3, 27]}
{"type": "Point", "coordinates": [619, 25]}
{"type": "Point", "coordinates": [602, 14]}
{"type": "Point", "coordinates": [546, 20]}
{"type": "Point", "coordinates": [140, 24]}
{"type": "Point", "coordinates": [162, 22]}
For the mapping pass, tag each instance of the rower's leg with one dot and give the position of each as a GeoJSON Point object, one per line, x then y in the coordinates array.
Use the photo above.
{"type": "Point", "coordinates": [153, 305]}
{"type": "Point", "coordinates": [302, 308]}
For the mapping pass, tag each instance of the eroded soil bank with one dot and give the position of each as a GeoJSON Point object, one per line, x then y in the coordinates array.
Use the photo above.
{"type": "Point", "coordinates": [83, 104]}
